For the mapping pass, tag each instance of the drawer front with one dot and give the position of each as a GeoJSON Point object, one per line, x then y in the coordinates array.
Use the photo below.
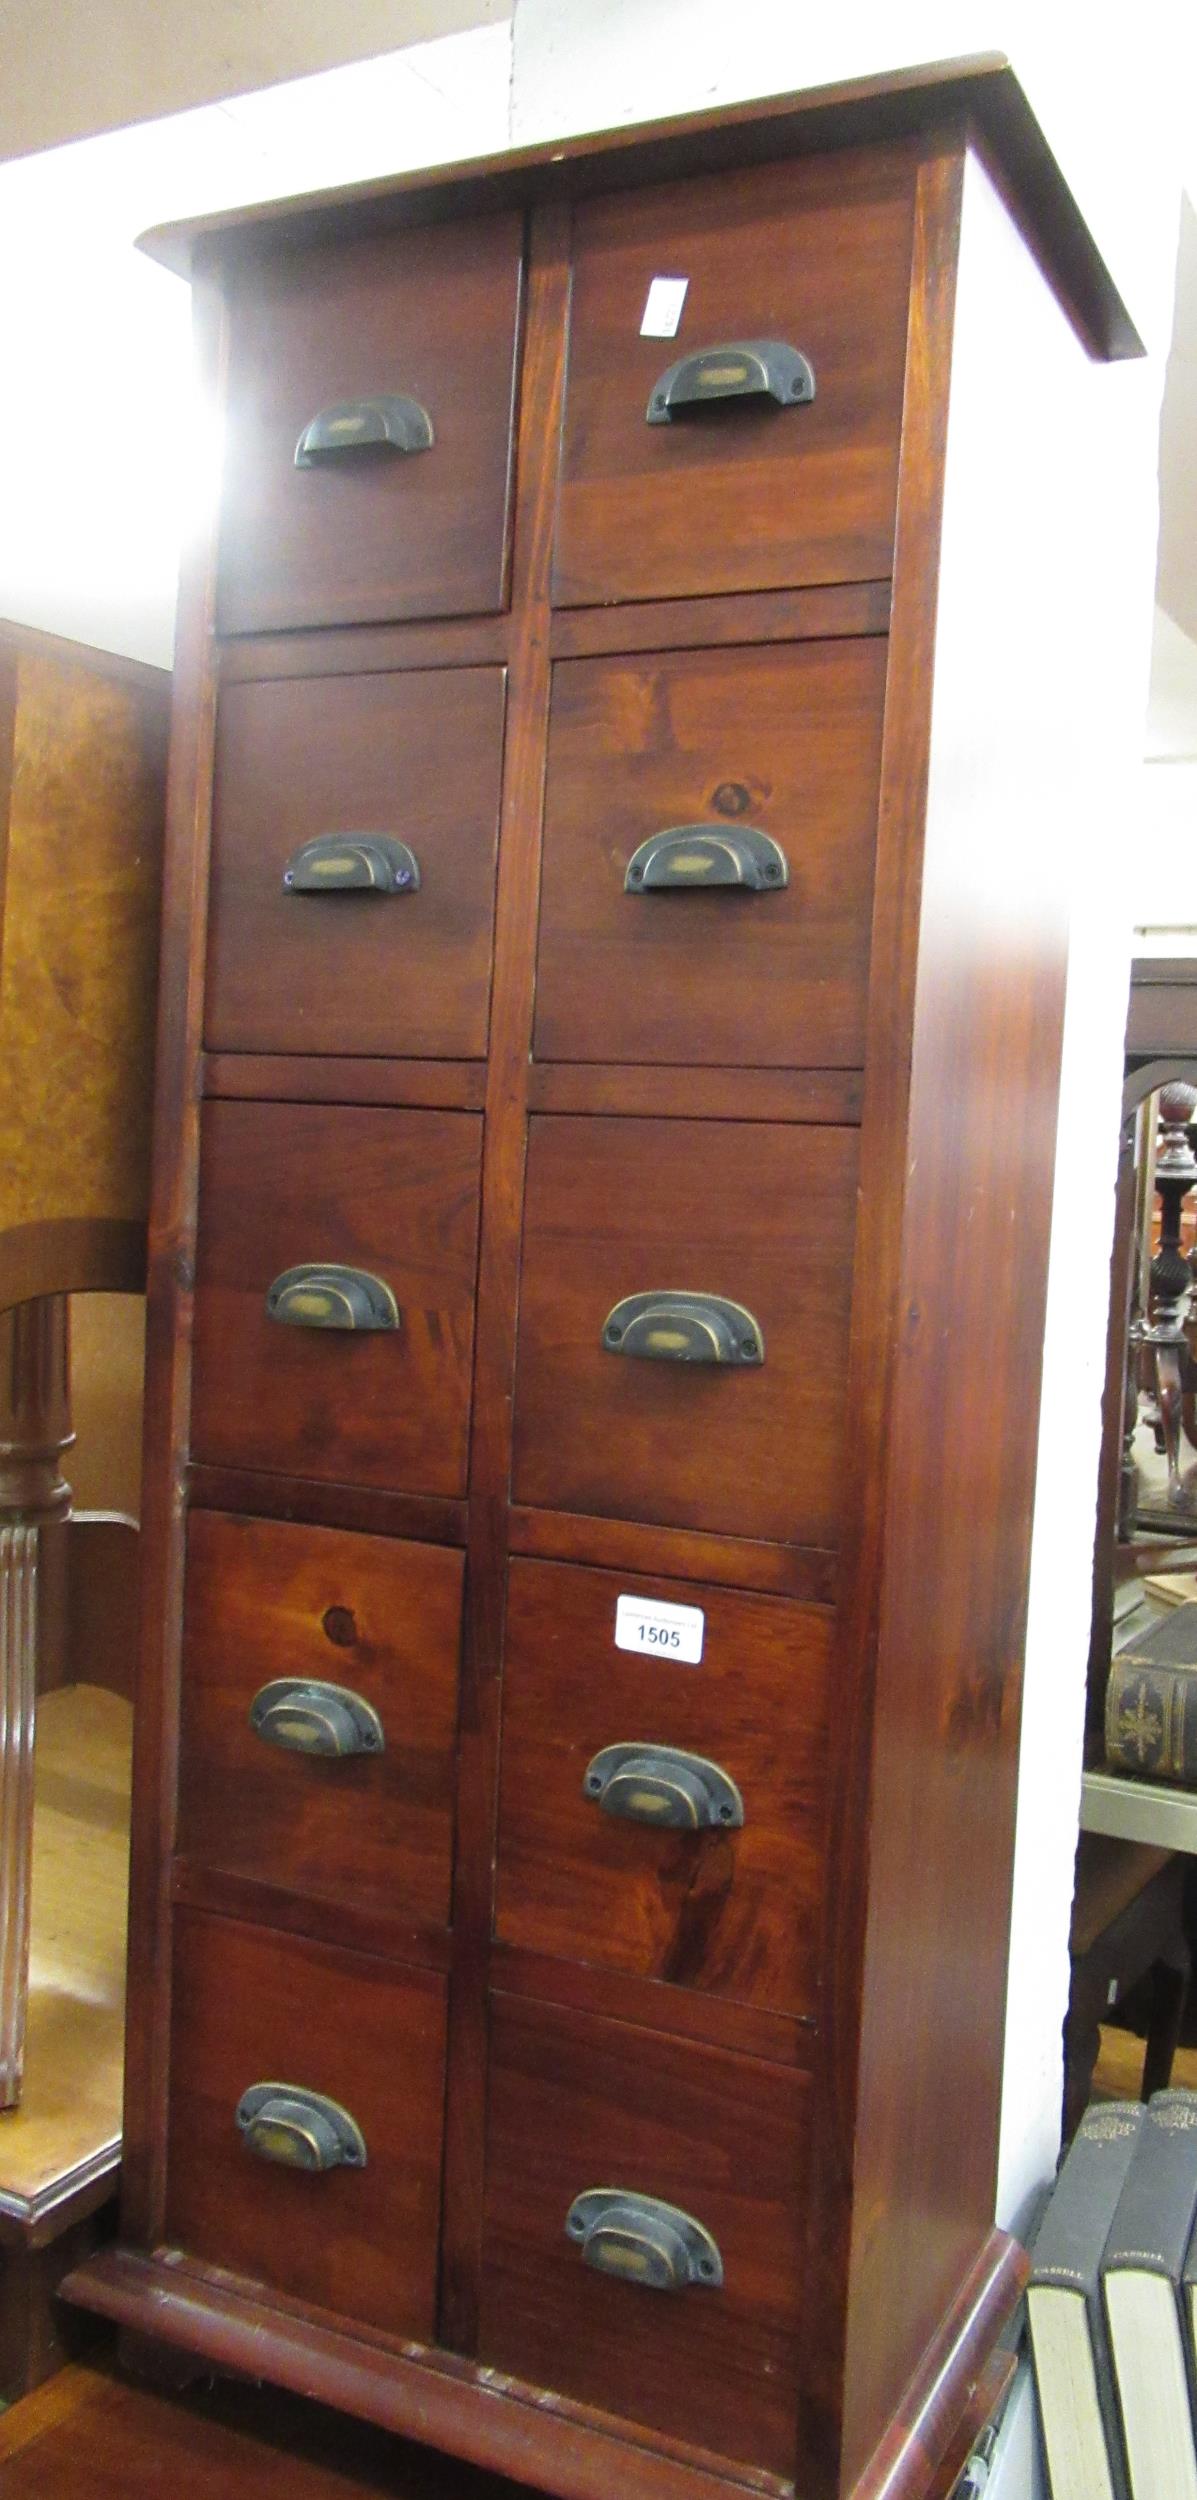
{"type": "Point", "coordinates": [642, 958]}
{"type": "Point", "coordinates": [299, 962]}
{"type": "Point", "coordinates": [252, 2007]}
{"type": "Point", "coordinates": [760, 1216]}
{"type": "Point", "coordinates": [390, 1195]}
{"type": "Point", "coordinates": [577, 2103]}
{"type": "Point", "coordinates": [309, 1624]}
{"type": "Point", "coordinates": [424, 320]}
{"type": "Point", "coordinates": [737, 492]}
{"type": "Point", "coordinates": [587, 1869]}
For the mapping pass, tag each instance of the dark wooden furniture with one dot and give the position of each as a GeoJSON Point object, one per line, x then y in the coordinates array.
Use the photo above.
{"type": "Point", "coordinates": [1128, 1931]}
{"type": "Point", "coordinates": [82, 787]}
{"type": "Point", "coordinates": [793, 634]}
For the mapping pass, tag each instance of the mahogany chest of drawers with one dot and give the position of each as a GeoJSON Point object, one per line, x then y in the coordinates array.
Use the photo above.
{"type": "Point", "coordinates": [614, 975]}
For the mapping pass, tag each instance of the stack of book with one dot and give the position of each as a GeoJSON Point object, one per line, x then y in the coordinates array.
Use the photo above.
{"type": "Point", "coordinates": [1151, 1701]}
{"type": "Point", "coordinates": [1112, 2306]}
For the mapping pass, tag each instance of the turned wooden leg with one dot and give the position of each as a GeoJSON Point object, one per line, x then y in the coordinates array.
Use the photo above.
{"type": "Point", "coordinates": [34, 1432]}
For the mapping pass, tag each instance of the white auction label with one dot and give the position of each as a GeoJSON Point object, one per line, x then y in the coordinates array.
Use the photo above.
{"type": "Point", "coordinates": [663, 308]}
{"type": "Point", "coordinates": [659, 1631]}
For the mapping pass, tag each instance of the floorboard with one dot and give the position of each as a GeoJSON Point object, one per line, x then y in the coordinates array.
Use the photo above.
{"type": "Point", "coordinates": [90, 2434]}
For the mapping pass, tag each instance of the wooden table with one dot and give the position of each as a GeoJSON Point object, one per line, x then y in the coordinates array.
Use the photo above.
{"type": "Point", "coordinates": [60, 2150]}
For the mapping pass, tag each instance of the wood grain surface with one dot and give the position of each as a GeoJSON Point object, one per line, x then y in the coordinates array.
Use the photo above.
{"type": "Point", "coordinates": [576, 2103]}
{"type": "Point", "coordinates": [391, 1192]}
{"type": "Point", "coordinates": [818, 2080]}
{"type": "Point", "coordinates": [82, 794]}
{"type": "Point", "coordinates": [169, 1322]}
{"type": "Point", "coordinates": [177, 2315]}
{"type": "Point", "coordinates": [91, 2436]}
{"type": "Point", "coordinates": [998, 871]}
{"type": "Point", "coordinates": [414, 755]}
{"type": "Point", "coordinates": [66, 2134]}
{"type": "Point", "coordinates": [785, 739]}
{"type": "Point", "coordinates": [742, 495]}
{"type": "Point", "coordinates": [374, 535]}
{"type": "Point", "coordinates": [735, 1912]}
{"type": "Point", "coordinates": [381, 1618]}
{"type": "Point", "coordinates": [257, 2007]}
{"type": "Point", "coordinates": [763, 1216]}
{"type": "Point", "coordinates": [806, 1571]}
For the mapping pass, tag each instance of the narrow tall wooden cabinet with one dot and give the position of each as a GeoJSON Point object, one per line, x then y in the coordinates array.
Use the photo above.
{"type": "Point", "coordinates": [614, 965]}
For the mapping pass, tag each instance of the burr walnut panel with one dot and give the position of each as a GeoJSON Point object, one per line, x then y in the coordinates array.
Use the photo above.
{"type": "Point", "coordinates": [409, 754]}
{"type": "Point", "coordinates": [267, 1598]}
{"type": "Point", "coordinates": [760, 1215]}
{"type": "Point", "coordinates": [735, 1912]}
{"type": "Point", "coordinates": [786, 740]}
{"type": "Point", "coordinates": [393, 1194]}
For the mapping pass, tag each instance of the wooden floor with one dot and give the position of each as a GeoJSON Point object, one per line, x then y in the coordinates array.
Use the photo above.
{"type": "Point", "coordinates": [88, 2434]}
{"type": "Point", "coordinates": [1119, 2069]}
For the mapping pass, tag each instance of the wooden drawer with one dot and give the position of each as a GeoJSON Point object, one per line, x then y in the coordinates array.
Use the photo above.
{"type": "Point", "coordinates": [253, 2007]}
{"type": "Point", "coordinates": [783, 741]}
{"type": "Point", "coordinates": [733, 1911]}
{"type": "Point", "coordinates": [758, 1214]}
{"type": "Point", "coordinates": [577, 2103]}
{"type": "Point", "coordinates": [401, 970]}
{"type": "Point", "coordinates": [267, 1600]}
{"type": "Point", "coordinates": [737, 493]}
{"type": "Point", "coordinates": [428, 315]}
{"type": "Point", "coordinates": [391, 1193]}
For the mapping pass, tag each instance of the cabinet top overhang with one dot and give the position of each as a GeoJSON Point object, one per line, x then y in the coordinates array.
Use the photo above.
{"type": "Point", "coordinates": [976, 100]}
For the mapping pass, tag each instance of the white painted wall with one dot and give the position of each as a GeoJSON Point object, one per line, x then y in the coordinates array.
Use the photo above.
{"type": "Point", "coordinates": [71, 67]}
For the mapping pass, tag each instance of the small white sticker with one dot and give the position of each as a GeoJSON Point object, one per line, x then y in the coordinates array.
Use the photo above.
{"type": "Point", "coordinates": [657, 1631]}
{"type": "Point", "coordinates": [663, 308]}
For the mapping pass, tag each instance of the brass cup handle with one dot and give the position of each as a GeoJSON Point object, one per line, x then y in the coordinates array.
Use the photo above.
{"type": "Point", "coordinates": [675, 1327]}
{"type": "Point", "coordinates": [302, 1714]}
{"type": "Point", "coordinates": [386, 421]}
{"type": "Point", "coordinates": [664, 1788]}
{"type": "Point", "coordinates": [301, 2130]}
{"type": "Point", "coordinates": [352, 863]}
{"type": "Point", "coordinates": [325, 1296]}
{"type": "Point", "coordinates": [642, 2240]}
{"type": "Point", "coordinates": [690, 859]}
{"type": "Point", "coordinates": [744, 369]}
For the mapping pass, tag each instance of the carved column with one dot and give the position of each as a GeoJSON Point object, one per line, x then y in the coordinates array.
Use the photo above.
{"type": "Point", "coordinates": [34, 1431]}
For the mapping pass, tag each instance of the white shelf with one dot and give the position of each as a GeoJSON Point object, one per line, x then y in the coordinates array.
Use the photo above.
{"type": "Point", "coordinates": [1138, 1810]}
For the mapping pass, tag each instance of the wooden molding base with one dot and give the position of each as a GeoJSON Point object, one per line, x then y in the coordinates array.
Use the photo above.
{"type": "Point", "coordinates": [449, 2403]}
{"type": "Point", "coordinates": [458, 2406]}
{"type": "Point", "coordinates": [951, 2393]}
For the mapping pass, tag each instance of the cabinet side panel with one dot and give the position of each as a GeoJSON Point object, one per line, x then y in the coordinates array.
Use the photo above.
{"type": "Point", "coordinates": [876, 1263]}
{"type": "Point", "coordinates": [1011, 713]}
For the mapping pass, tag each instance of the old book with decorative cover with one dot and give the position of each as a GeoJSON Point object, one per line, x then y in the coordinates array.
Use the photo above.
{"type": "Point", "coordinates": [1068, 2339]}
{"type": "Point", "coordinates": [1151, 1702]}
{"type": "Point", "coordinates": [1141, 2280]}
